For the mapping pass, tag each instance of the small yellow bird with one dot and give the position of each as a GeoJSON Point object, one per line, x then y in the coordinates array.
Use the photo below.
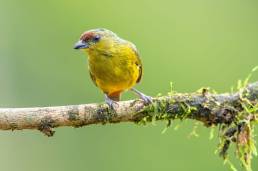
{"type": "Point", "coordinates": [114, 63]}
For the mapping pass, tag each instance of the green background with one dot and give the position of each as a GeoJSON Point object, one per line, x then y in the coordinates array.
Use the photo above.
{"type": "Point", "coordinates": [192, 43]}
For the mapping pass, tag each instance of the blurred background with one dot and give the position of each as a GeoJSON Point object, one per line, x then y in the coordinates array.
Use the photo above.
{"type": "Point", "coordinates": [191, 43]}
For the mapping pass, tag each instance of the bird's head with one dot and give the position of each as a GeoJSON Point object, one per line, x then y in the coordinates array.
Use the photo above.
{"type": "Point", "coordinates": [95, 39]}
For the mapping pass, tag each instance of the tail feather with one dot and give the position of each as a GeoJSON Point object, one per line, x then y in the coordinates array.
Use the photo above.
{"type": "Point", "coordinates": [115, 96]}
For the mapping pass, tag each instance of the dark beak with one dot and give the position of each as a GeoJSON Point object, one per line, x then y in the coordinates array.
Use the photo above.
{"type": "Point", "coordinates": [81, 45]}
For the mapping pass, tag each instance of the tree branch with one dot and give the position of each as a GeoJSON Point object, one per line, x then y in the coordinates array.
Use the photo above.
{"type": "Point", "coordinates": [209, 108]}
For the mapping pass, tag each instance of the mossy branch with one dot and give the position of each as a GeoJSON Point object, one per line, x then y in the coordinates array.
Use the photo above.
{"type": "Point", "coordinates": [209, 108]}
{"type": "Point", "coordinates": [235, 113]}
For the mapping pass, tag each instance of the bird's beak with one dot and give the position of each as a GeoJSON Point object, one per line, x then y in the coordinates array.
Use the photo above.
{"type": "Point", "coordinates": [81, 45]}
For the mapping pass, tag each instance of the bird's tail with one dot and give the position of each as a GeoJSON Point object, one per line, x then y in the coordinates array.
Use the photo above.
{"type": "Point", "coordinates": [115, 96]}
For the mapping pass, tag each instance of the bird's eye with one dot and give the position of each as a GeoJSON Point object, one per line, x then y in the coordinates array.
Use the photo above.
{"type": "Point", "coordinates": [96, 38]}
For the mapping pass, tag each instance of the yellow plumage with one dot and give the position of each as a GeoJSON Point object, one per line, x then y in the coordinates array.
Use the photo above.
{"type": "Point", "coordinates": [114, 63]}
{"type": "Point", "coordinates": [117, 71]}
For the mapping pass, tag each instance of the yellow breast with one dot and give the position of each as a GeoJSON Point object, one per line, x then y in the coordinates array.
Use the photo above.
{"type": "Point", "coordinates": [114, 70]}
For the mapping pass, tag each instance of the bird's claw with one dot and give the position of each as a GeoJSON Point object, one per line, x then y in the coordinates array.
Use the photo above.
{"type": "Point", "coordinates": [111, 103]}
{"type": "Point", "coordinates": [146, 99]}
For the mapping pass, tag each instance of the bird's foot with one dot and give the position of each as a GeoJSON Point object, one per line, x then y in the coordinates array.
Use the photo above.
{"type": "Point", "coordinates": [111, 103]}
{"type": "Point", "coordinates": [146, 99]}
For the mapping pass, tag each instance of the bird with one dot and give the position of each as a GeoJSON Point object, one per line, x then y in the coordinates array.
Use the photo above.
{"type": "Point", "coordinates": [114, 64]}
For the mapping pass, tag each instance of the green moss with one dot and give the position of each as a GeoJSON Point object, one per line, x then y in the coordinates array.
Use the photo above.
{"type": "Point", "coordinates": [241, 131]}
{"type": "Point", "coordinates": [236, 130]}
{"type": "Point", "coordinates": [194, 133]}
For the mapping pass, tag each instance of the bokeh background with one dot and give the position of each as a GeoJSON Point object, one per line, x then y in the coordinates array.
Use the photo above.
{"type": "Point", "coordinates": [191, 43]}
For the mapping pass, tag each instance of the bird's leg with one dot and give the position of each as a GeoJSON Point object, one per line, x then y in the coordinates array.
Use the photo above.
{"type": "Point", "coordinates": [145, 98]}
{"type": "Point", "coordinates": [111, 103]}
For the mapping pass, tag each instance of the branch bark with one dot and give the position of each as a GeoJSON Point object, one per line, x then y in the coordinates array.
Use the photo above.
{"type": "Point", "coordinates": [209, 108]}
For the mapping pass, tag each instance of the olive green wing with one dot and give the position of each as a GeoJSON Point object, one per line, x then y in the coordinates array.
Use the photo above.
{"type": "Point", "coordinates": [140, 74]}
{"type": "Point", "coordinates": [138, 62]}
{"type": "Point", "coordinates": [93, 78]}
